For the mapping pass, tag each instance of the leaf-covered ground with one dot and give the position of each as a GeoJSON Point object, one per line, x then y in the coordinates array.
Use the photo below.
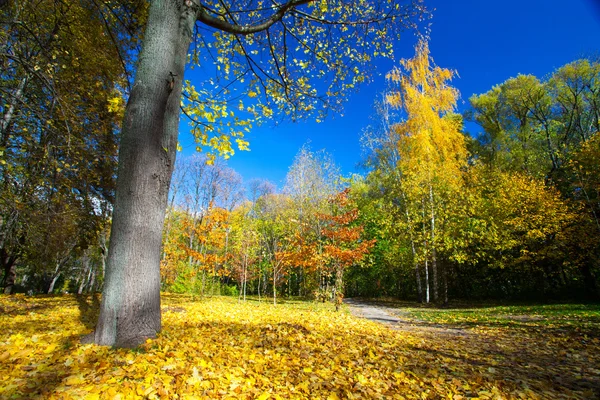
{"type": "Point", "coordinates": [218, 348]}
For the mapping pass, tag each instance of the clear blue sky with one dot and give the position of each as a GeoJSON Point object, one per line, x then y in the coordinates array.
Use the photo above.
{"type": "Point", "coordinates": [487, 42]}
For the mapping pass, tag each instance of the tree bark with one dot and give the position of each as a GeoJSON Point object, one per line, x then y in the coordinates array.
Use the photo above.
{"type": "Point", "coordinates": [103, 256]}
{"type": "Point", "coordinates": [55, 277]}
{"type": "Point", "coordinates": [274, 285]}
{"type": "Point", "coordinates": [434, 269]}
{"type": "Point", "coordinates": [10, 274]}
{"type": "Point", "coordinates": [445, 282]}
{"type": "Point", "coordinates": [417, 273]}
{"type": "Point", "coordinates": [130, 309]}
{"type": "Point", "coordinates": [17, 97]}
{"type": "Point", "coordinates": [86, 273]}
{"type": "Point", "coordinates": [426, 282]}
{"type": "Point", "coordinates": [414, 250]}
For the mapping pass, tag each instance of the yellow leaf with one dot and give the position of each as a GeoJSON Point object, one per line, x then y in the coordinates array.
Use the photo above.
{"type": "Point", "coordinates": [74, 380]}
{"type": "Point", "coordinates": [264, 396]}
{"type": "Point", "coordinates": [51, 347]}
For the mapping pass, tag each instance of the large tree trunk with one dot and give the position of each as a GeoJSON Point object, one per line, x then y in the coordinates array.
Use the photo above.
{"type": "Point", "coordinates": [130, 309]}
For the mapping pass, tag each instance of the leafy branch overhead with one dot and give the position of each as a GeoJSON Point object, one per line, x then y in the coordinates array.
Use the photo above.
{"type": "Point", "coordinates": [291, 60]}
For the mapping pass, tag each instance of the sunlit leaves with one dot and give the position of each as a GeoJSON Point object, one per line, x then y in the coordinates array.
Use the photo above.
{"type": "Point", "coordinates": [64, 77]}
{"type": "Point", "coordinates": [219, 349]}
{"type": "Point", "coordinates": [532, 124]}
{"type": "Point", "coordinates": [423, 157]}
{"type": "Point", "coordinates": [301, 66]}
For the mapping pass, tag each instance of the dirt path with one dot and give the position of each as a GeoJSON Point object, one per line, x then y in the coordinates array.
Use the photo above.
{"type": "Point", "coordinates": [397, 319]}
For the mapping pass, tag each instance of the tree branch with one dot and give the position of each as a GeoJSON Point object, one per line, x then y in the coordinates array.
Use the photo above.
{"type": "Point", "coordinates": [221, 24]}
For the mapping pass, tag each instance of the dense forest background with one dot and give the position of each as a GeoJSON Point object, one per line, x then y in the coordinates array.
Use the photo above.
{"type": "Point", "coordinates": [439, 214]}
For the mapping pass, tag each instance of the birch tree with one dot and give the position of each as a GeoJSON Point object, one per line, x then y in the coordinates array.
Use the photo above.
{"type": "Point", "coordinates": [432, 153]}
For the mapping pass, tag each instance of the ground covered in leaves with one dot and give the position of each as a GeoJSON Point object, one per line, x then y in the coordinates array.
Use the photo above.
{"type": "Point", "coordinates": [217, 348]}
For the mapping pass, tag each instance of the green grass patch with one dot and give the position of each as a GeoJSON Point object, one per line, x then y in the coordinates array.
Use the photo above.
{"type": "Point", "coordinates": [583, 318]}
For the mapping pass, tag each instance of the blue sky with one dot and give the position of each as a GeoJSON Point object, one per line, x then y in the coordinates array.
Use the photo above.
{"type": "Point", "coordinates": [486, 42]}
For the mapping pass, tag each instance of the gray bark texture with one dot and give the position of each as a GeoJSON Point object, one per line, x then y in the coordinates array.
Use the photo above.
{"type": "Point", "coordinates": [130, 308]}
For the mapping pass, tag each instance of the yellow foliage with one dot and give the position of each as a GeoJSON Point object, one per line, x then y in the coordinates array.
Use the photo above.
{"type": "Point", "coordinates": [220, 349]}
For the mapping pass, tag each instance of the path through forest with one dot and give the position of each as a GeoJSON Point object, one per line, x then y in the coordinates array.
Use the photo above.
{"type": "Point", "coordinates": [555, 361]}
{"type": "Point", "coordinates": [397, 319]}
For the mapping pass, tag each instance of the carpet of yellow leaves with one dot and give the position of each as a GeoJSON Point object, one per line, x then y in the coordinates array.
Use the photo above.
{"type": "Point", "coordinates": [217, 348]}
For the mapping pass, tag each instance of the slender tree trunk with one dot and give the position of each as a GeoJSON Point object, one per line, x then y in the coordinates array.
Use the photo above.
{"type": "Point", "coordinates": [10, 111]}
{"type": "Point", "coordinates": [417, 273]}
{"type": "Point", "coordinates": [414, 250]}
{"type": "Point", "coordinates": [54, 279]}
{"type": "Point", "coordinates": [434, 268]}
{"type": "Point", "coordinates": [339, 287]}
{"type": "Point", "coordinates": [258, 286]}
{"type": "Point", "coordinates": [425, 248]}
{"type": "Point", "coordinates": [52, 283]}
{"type": "Point", "coordinates": [10, 274]}
{"type": "Point", "coordinates": [86, 273]}
{"type": "Point", "coordinates": [92, 279]}
{"type": "Point", "coordinates": [274, 286]}
{"type": "Point", "coordinates": [130, 308]}
{"type": "Point", "coordinates": [445, 281]}
{"type": "Point", "coordinates": [426, 282]}
{"type": "Point", "coordinates": [245, 278]}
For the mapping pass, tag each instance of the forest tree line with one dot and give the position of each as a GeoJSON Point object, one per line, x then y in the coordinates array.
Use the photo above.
{"type": "Point", "coordinates": [509, 214]}
{"type": "Point", "coordinates": [439, 213]}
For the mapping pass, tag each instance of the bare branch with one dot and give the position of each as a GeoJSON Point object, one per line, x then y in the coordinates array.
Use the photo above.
{"type": "Point", "coordinates": [221, 24]}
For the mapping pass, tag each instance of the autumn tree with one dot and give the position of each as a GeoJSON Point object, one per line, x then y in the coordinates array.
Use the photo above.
{"type": "Point", "coordinates": [431, 156]}
{"type": "Point", "coordinates": [583, 171]}
{"type": "Point", "coordinates": [245, 248]}
{"type": "Point", "coordinates": [343, 245]}
{"type": "Point", "coordinates": [200, 203]}
{"type": "Point", "coordinates": [274, 225]}
{"type": "Point", "coordinates": [311, 180]}
{"type": "Point", "coordinates": [546, 128]}
{"type": "Point", "coordinates": [63, 67]}
{"type": "Point", "coordinates": [280, 51]}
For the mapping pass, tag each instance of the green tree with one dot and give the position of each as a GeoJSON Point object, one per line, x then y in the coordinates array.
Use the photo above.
{"type": "Point", "coordinates": [546, 129]}
{"type": "Point", "coordinates": [533, 126]}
